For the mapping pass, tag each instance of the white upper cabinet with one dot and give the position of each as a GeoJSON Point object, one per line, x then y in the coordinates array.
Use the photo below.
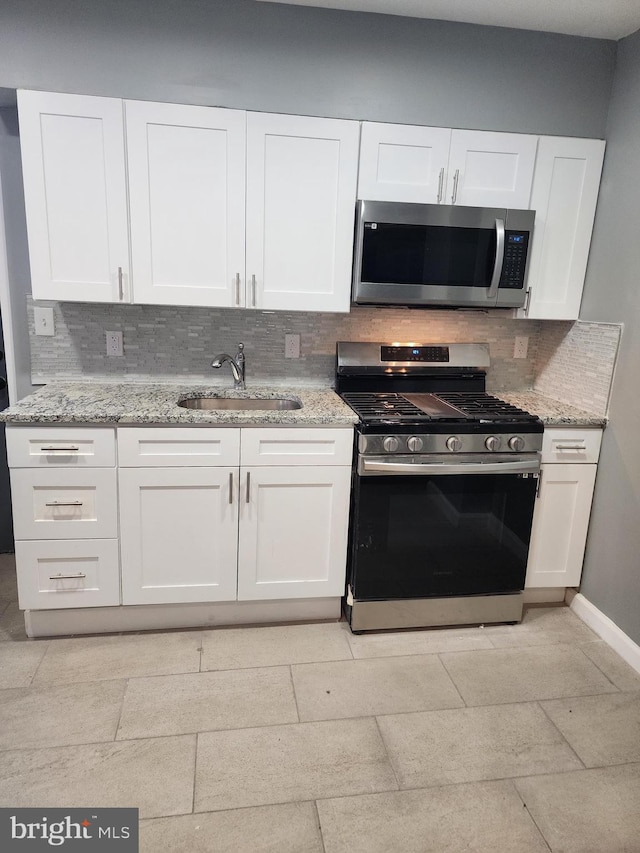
{"type": "Point", "coordinates": [490, 169]}
{"type": "Point", "coordinates": [186, 200]}
{"type": "Point", "coordinates": [75, 195]}
{"type": "Point", "coordinates": [564, 196]}
{"type": "Point", "coordinates": [403, 163]}
{"type": "Point", "coordinates": [301, 191]}
{"type": "Point", "coordinates": [435, 165]}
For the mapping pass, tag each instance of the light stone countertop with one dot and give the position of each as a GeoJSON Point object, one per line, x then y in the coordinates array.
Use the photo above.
{"type": "Point", "coordinates": [156, 403]}
{"type": "Point", "coordinates": [551, 412]}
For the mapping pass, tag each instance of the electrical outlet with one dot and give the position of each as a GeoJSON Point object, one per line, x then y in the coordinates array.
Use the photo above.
{"type": "Point", "coordinates": [43, 320]}
{"type": "Point", "coordinates": [114, 344]}
{"type": "Point", "coordinates": [520, 347]}
{"type": "Point", "coordinates": [292, 346]}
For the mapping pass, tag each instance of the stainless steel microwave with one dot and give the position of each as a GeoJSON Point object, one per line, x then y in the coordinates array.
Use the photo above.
{"type": "Point", "coordinates": [441, 255]}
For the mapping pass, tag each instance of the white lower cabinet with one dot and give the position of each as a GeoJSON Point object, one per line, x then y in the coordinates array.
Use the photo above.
{"type": "Point", "coordinates": [563, 507]}
{"type": "Point", "coordinates": [293, 532]}
{"type": "Point", "coordinates": [65, 513]}
{"type": "Point", "coordinates": [274, 529]}
{"type": "Point", "coordinates": [195, 514]}
{"type": "Point", "coordinates": [179, 534]}
{"type": "Point", "coordinates": [68, 573]}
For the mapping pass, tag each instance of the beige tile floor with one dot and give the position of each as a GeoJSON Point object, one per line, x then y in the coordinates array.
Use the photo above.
{"type": "Point", "coordinates": [509, 739]}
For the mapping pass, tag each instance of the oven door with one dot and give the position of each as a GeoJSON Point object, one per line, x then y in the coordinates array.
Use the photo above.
{"type": "Point", "coordinates": [440, 529]}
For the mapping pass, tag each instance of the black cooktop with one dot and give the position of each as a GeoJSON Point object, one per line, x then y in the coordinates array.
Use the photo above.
{"type": "Point", "coordinates": [420, 408]}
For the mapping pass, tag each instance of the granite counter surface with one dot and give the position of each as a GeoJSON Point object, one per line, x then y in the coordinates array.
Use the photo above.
{"type": "Point", "coordinates": [142, 403]}
{"type": "Point", "coordinates": [551, 412]}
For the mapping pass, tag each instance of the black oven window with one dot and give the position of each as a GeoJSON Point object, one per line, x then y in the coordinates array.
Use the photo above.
{"type": "Point", "coordinates": [440, 536]}
{"type": "Point", "coordinates": [428, 254]}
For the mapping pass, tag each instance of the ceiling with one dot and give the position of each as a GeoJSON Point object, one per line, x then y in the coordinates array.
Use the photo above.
{"type": "Point", "coordinates": [607, 19]}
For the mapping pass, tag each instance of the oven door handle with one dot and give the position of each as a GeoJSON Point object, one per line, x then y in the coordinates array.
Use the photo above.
{"type": "Point", "coordinates": [492, 290]}
{"type": "Point", "coordinates": [374, 466]}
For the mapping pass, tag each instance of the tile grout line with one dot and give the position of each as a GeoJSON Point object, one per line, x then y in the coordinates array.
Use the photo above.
{"type": "Point", "coordinates": [387, 753]}
{"type": "Point", "coordinates": [451, 678]}
{"type": "Point", "coordinates": [531, 817]}
{"type": "Point", "coordinates": [295, 695]}
{"type": "Point", "coordinates": [124, 693]}
{"type": "Point", "coordinates": [319, 825]}
{"type": "Point", "coordinates": [559, 730]}
{"type": "Point", "coordinates": [195, 773]}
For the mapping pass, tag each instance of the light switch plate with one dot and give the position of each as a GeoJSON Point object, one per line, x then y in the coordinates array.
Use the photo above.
{"type": "Point", "coordinates": [43, 319]}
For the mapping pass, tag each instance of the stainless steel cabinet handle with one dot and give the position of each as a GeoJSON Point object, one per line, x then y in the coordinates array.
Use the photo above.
{"type": "Point", "coordinates": [569, 447]}
{"type": "Point", "coordinates": [440, 183]}
{"type": "Point", "coordinates": [539, 483]}
{"type": "Point", "coordinates": [64, 503]}
{"type": "Point", "coordinates": [527, 300]}
{"type": "Point", "coordinates": [71, 449]}
{"type": "Point", "coordinates": [67, 577]}
{"type": "Point", "coordinates": [237, 288]}
{"type": "Point", "coordinates": [253, 290]}
{"type": "Point", "coordinates": [456, 178]}
{"type": "Point", "coordinates": [230, 487]}
{"type": "Point", "coordinates": [248, 494]}
{"type": "Point", "coordinates": [492, 290]}
{"type": "Point", "coordinates": [120, 285]}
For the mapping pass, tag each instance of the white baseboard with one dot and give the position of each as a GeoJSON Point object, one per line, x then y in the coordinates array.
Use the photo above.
{"type": "Point", "coordinates": [607, 630]}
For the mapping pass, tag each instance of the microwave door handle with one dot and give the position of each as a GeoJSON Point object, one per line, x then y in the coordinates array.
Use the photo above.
{"type": "Point", "coordinates": [492, 290]}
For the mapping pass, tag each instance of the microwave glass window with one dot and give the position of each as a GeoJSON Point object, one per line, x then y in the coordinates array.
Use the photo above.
{"type": "Point", "coordinates": [428, 254]}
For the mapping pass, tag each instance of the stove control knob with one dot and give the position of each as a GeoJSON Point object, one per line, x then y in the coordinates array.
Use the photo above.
{"type": "Point", "coordinates": [516, 442]}
{"type": "Point", "coordinates": [492, 442]}
{"type": "Point", "coordinates": [414, 443]}
{"type": "Point", "coordinates": [390, 444]}
{"type": "Point", "coordinates": [454, 443]}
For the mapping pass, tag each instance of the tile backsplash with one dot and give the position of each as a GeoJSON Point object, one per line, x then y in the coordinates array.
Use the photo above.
{"type": "Point", "coordinates": [173, 343]}
{"type": "Point", "coordinates": [575, 363]}
{"type": "Point", "coordinates": [572, 362]}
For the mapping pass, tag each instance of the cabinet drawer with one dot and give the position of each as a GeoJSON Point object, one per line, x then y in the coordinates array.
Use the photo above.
{"type": "Point", "coordinates": [69, 505]}
{"type": "Point", "coordinates": [144, 447]}
{"type": "Point", "coordinates": [297, 446]}
{"type": "Point", "coordinates": [571, 445]}
{"type": "Point", "coordinates": [61, 447]}
{"type": "Point", "coordinates": [68, 573]}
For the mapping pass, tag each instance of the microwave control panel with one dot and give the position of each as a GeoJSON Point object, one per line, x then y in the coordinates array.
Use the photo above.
{"type": "Point", "coordinates": [516, 244]}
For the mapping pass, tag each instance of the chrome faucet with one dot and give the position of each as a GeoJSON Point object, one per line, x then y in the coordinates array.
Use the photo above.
{"type": "Point", "coordinates": [237, 365]}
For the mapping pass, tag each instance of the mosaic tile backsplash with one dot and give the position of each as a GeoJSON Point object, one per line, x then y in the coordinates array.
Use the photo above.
{"type": "Point", "coordinates": [173, 343]}
{"type": "Point", "coordinates": [575, 363]}
{"type": "Point", "coordinates": [572, 362]}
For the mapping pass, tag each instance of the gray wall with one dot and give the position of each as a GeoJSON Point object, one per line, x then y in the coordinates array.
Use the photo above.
{"type": "Point", "coordinates": [14, 303]}
{"type": "Point", "coordinates": [277, 58]}
{"type": "Point", "coordinates": [611, 578]}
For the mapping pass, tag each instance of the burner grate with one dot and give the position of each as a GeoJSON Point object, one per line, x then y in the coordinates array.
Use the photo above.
{"type": "Point", "coordinates": [485, 407]}
{"type": "Point", "coordinates": [383, 406]}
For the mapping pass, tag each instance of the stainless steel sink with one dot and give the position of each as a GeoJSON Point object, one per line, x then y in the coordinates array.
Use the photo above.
{"type": "Point", "coordinates": [241, 404]}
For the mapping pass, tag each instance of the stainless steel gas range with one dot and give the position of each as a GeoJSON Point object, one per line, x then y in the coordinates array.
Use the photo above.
{"type": "Point", "coordinates": [444, 485]}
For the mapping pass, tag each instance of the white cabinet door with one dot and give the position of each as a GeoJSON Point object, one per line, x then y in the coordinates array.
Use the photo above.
{"type": "Point", "coordinates": [73, 165]}
{"type": "Point", "coordinates": [301, 191]}
{"type": "Point", "coordinates": [179, 533]}
{"type": "Point", "coordinates": [490, 169]}
{"type": "Point", "coordinates": [403, 163]}
{"type": "Point", "coordinates": [564, 196]}
{"type": "Point", "coordinates": [187, 198]}
{"type": "Point", "coordinates": [560, 524]}
{"type": "Point", "coordinates": [293, 532]}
